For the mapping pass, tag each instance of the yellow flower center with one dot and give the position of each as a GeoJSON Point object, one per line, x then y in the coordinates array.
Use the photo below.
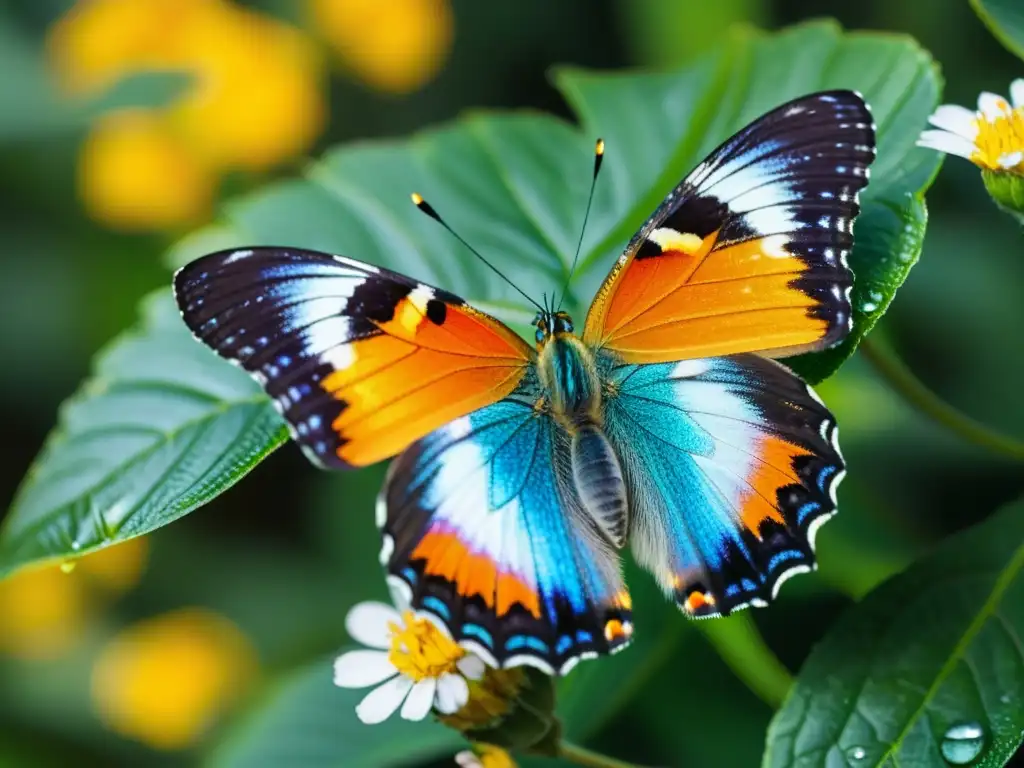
{"type": "Point", "coordinates": [420, 650]}
{"type": "Point", "coordinates": [999, 137]}
{"type": "Point", "coordinates": [491, 756]}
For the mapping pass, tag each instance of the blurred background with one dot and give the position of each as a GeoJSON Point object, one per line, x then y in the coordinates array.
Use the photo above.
{"type": "Point", "coordinates": [92, 660]}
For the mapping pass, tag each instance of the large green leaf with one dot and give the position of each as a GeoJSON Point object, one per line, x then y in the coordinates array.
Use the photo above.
{"type": "Point", "coordinates": [159, 428]}
{"type": "Point", "coordinates": [515, 185]}
{"type": "Point", "coordinates": [1005, 20]}
{"type": "Point", "coordinates": [307, 721]}
{"type": "Point", "coordinates": [928, 661]}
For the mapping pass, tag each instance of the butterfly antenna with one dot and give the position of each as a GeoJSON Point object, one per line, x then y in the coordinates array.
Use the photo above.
{"type": "Point", "coordinates": [598, 158]}
{"type": "Point", "coordinates": [428, 209]}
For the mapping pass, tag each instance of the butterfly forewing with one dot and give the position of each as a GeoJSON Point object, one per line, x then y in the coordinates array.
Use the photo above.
{"type": "Point", "coordinates": [748, 253]}
{"type": "Point", "coordinates": [360, 361]}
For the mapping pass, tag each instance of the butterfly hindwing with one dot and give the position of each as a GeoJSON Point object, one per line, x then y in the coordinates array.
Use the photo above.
{"type": "Point", "coordinates": [360, 361]}
{"type": "Point", "coordinates": [732, 464]}
{"type": "Point", "coordinates": [483, 531]}
{"type": "Point", "coordinates": [748, 253]}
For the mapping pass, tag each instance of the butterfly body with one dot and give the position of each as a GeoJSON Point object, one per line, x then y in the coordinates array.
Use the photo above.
{"type": "Point", "coordinates": [573, 393]}
{"type": "Point", "coordinates": [522, 473]}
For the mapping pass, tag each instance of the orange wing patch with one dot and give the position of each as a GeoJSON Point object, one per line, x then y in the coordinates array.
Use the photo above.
{"type": "Point", "coordinates": [772, 471]}
{"type": "Point", "coordinates": [706, 302]}
{"type": "Point", "coordinates": [418, 373]}
{"type": "Point", "coordinates": [474, 574]}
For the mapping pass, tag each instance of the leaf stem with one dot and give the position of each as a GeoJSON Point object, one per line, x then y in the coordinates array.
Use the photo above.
{"type": "Point", "coordinates": [741, 647]}
{"type": "Point", "coordinates": [902, 380]}
{"type": "Point", "coordinates": [582, 756]}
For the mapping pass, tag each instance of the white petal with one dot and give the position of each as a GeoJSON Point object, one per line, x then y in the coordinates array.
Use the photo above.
{"type": "Point", "coordinates": [380, 703]}
{"type": "Point", "coordinates": [947, 142]}
{"type": "Point", "coordinates": [992, 105]}
{"type": "Point", "coordinates": [400, 593]}
{"type": "Point", "coordinates": [1017, 92]}
{"type": "Point", "coordinates": [452, 693]}
{"type": "Point", "coordinates": [472, 666]}
{"type": "Point", "coordinates": [468, 759]}
{"type": "Point", "coordinates": [1010, 159]}
{"type": "Point", "coordinates": [358, 669]}
{"type": "Point", "coordinates": [367, 623]}
{"type": "Point", "coordinates": [956, 119]}
{"type": "Point", "coordinates": [421, 699]}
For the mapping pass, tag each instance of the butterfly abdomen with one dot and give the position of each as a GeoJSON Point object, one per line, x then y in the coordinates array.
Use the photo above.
{"type": "Point", "coordinates": [598, 479]}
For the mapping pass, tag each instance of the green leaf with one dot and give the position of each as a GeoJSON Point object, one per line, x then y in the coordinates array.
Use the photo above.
{"type": "Point", "coordinates": [307, 721]}
{"type": "Point", "coordinates": [1005, 20]}
{"type": "Point", "coordinates": [655, 28]}
{"type": "Point", "coordinates": [160, 428]}
{"type": "Point", "coordinates": [515, 185]}
{"type": "Point", "coordinates": [930, 656]}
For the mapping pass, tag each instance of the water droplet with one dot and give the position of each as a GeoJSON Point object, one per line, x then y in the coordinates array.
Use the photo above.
{"type": "Point", "coordinates": [868, 307]}
{"type": "Point", "coordinates": [76, 545]}
{"type": "Point", "coordinates": [856, 754]}
{"type": "Point", "coordinates": [876, 296]}
{"type": "Point", "coordinates": [1005, 698]}
{"type": "Point", "coordinates": [67, 566]}
{"type": "Point", "coordinates": [962, 743]}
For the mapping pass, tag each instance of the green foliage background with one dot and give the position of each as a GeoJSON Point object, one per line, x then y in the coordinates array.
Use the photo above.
{"type": "Point", "coordinates": [161, 427]}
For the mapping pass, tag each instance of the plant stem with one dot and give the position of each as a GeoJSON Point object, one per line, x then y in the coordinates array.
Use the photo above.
{"type": "Point", "coordinates": [741, 647]}
{"type": "Point", "coordinates": [903, 380]}
{"type": "Point", "coordinates": [582, 756]}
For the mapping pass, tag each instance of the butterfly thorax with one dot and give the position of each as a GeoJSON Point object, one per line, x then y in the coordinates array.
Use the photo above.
{"type": "Point", "coordinates": [568, 372]}
{"type": "Point", "coordinates": [572, 393]}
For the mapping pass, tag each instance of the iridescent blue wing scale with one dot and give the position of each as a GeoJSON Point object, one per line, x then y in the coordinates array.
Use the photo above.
{"type": "Point", "coordinates": [732, 464]}
{"type": "Point", "coordinates": [484, 532]}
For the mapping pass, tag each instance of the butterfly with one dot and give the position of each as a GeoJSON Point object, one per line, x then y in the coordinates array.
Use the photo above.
{"type": "Point", "coordinates": [666, 425]}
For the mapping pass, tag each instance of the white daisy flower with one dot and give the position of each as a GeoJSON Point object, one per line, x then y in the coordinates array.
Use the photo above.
{"type": "Point", "coordinates": [991, 137]}
{"type": "Point", "coordinates": [413, 663]}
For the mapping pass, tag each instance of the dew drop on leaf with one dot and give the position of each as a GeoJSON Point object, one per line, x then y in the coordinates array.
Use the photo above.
{"type": "Point", "coordinates": [962, 743]}
{"type": "Point", "coordinates": [856, 754]}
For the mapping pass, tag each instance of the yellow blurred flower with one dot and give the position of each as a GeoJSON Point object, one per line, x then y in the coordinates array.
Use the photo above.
{"type": "Point", "coordinates": [259, 99]}
{"type": "Point", "coordinates": [44, 611]}
{"type": "Point", "coordinates": [394, 46]}
{"type": "Point", "coordinates": [98, 41]}
{"type": "Point", "coordinates": [118, 568]}
{"type": "Point", "coordinates": [165, 680]}
{"type": "Point", "coordinates": [134, 173]}
{"type": "Point", "coordinates": [256, 101]}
